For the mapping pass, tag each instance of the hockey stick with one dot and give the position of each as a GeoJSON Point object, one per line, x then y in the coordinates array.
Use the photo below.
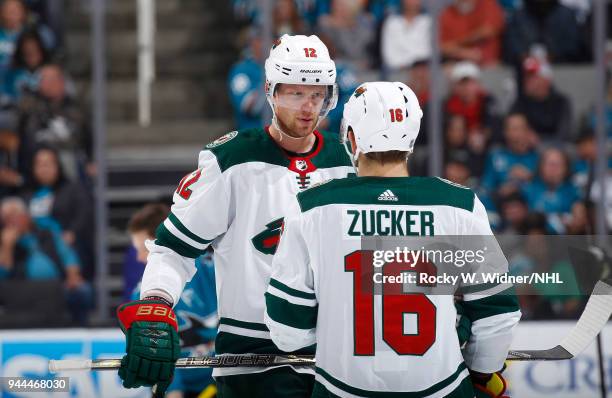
{"type": "Point", "coordinates": [594, 317]}
{"type": "Point", "coordinates": [223, 361]}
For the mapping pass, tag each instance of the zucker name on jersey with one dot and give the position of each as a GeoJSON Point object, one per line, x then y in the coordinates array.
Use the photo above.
{"type": "Point", "coordinates": [367, 346]}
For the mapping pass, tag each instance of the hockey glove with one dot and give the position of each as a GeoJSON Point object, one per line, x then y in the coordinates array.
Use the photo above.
{"type": "Point", "coordinates": [489, 385]}
{"type": "Point", "coordinates": [152, 343]}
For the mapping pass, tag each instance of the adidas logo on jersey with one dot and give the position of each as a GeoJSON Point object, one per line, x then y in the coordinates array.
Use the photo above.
{"type": "Point", "coordinates": [388, 195]}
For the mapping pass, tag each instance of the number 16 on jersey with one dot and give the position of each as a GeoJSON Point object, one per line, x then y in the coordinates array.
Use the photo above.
{"type": "Point", "coordinates": [395, 304]}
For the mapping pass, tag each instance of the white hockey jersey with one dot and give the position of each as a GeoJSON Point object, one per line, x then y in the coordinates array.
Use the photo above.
{"type": "Point", "coordinates": [236, 201]}
{"type": "Point", "coordinates": [373, 344]}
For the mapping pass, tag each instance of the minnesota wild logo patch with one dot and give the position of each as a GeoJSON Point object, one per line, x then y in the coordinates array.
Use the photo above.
{"type": "Point", "coordinates": [222, 140]}
{"type": "Point", "coordinates": [267, 240]}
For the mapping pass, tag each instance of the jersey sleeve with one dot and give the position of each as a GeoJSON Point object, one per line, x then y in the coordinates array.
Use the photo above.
{"type": "Point", "coordinates": [493, 309]}
{"type": "Point", "coordinates": [291, 303]}
{"type": "Point", "coordinates": [200, 213]}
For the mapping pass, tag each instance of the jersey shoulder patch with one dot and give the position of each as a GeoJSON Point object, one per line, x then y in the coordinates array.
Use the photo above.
{"type": "Point", "coordinates": [222, 140]}
{"type": "Point", "coordinates": [243, 146]}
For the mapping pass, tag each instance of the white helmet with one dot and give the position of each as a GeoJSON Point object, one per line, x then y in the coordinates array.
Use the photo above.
{"type": "Point", "coordinates": [301, 60]}
{"type": "Point", "coordinates": [384, 116]}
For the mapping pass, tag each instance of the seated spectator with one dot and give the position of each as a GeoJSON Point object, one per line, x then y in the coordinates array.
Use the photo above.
{"type": "Point", "coordinates": [538, 22]}
{"type": "Point", "coordinates": [11, 179]}
{"type": "Point", "coordinates": [406, 38]}
{"type": "Point", "coordinates": [536, 254]}
{"type": "Point", "coordinates": [286, 19]}
{"type": "Point", "coordinates": [511, 166]}
{"type": "Point", "coordinates": [469, 99]}
{"type": "Point", "coordinates": [548, 111]}
{"type": "Point", "coordinates": [586, 151]}
{"type": "Point", "coordinates": [457, 171]}
{"type": "Point", "coordinates": [513, 211]}
{"type": "Point", "coordinates": [419, 82]}
{"type": "Point", "coordinates": [552, 192]}
{"type": "Point", "coordinates": [13, 21]}
{"type": "Point", "coordinates": [470, 30]}
{"type": "Point", "coordinates": [51, 117]}
{"type": "Point", "coordinates": [57, 202]}
{"type": "Point", "coordinates": [351, 30]}
{"type": "Point", "coordinates": [459, 146]}
{"type": "Point", "coordinates": [30, 251]}
{"type": "Point", "coordinates": [30, 55]}
{"type": "Point", "coordinates": [246, 82]}
{"type": "Point", "coordinates": [13, 16]}
{"type": "Point", "coordinates": [196, 311]}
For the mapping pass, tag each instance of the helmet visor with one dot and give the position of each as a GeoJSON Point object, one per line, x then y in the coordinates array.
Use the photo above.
{"type": "Point", "coordinates": [315, 99]}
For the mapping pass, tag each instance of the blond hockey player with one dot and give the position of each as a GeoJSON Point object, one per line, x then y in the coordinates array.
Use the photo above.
{"type": "Point", "coordinates": [383, 345]}
{"type": "Point", "coordinates": [236, 201]}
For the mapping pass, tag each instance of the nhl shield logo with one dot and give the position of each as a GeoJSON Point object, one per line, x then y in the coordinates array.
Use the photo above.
{"type": "Point", "coordinates": [301, 165]}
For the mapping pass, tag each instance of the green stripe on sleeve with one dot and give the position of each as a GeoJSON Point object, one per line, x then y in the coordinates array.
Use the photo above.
{"type": "Point", "coordinates": [291, 291]}
{"type": "Point", "coordinates": [293, 315]}
{"type": "Point", "coordinates": [177, 223]}
{"type": "Point", "coordinates": [166, 239]}
{"type": "Point", "coordinates": [500, 303]}
{"type": "Point", "coordinates": [243, 324]}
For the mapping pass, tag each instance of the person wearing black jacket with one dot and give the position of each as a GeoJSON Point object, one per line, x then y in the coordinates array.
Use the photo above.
{"type": "Point", "coordinates": [59, 203]}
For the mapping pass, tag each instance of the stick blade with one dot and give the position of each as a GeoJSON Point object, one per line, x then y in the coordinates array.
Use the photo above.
{"type": "Point", "coordinates": [557, 353]}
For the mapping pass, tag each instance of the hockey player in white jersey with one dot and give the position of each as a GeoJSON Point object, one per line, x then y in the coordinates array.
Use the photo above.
{"type": "Point", "coordinates": [235, 201]}
{"type": "Point", "coordinates": [317, 292]}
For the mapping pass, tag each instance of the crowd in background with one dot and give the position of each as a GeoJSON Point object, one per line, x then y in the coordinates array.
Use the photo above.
{"type": "Point", "coordinates": [45, 151]}
{"type": "Point", "coordinates": [530, 158]}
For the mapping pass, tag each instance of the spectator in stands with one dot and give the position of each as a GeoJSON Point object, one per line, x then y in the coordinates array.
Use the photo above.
{"type": "Point", "coordinates": [30, 251]}
{"type": "Point", "coordinates": [419, 82]}
{"type": "Point", "coordinates": [583, 175]}
{"type": "Point", "coordinates": [406, 37]}
{"type": "Point", "coordinates": [351, 30]}
{"type": "Point", "coordinates": [24, 75]}
{"type": "Point", "coordinates": [548, 111]}
{"type": "Point", "coordinates": [246, 80]}
{"type": "Point", "coordinates": [544, 300]}
{"type": "Point", "coordinates": [458, 145]}
{"type": "Point", "coordinates": [286, 19]}
{"type": "Point", "coordinates": [196, 311]}
{"type": "Point", "coordinates": [50, 116]}
{"type": "Point", "coordinates": [513, 165]}
{"type": "Point", "coordinates": [470, 30]}
{"type": "Point", "coordinates": [11, 180]}
{"type": "Point", "coordinates": [552, 192]}
{"type": "Point", "coordinates": [513, 211]}
{"type": "Point", "coordinates": [457, 171]}
{"type": "Point", "coordinates": [56, 202]}
{"type": "Point", "coordinates": [13, 15]}
{"type": "Point", "coordinates": [469, 99]}
{"type": "Point", "coordinates": [538, 22]}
